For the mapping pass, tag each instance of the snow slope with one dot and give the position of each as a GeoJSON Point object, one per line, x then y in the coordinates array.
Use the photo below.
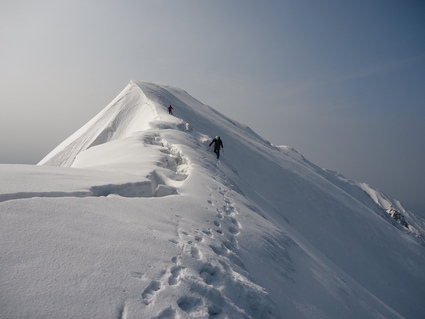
{"type": "Point", "coordinates": [133, 217]}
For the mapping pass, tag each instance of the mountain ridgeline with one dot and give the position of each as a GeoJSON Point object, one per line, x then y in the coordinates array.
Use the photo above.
{"type": "Point", "coordinates": [300, 241]}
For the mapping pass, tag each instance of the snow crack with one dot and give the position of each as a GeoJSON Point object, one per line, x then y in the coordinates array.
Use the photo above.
{"type": "Point", "coordinates": [53, 194]}
{"type": "Point", "coordinates": [171, 173]}
{"type": "Point", "coordinates": [172, 169]}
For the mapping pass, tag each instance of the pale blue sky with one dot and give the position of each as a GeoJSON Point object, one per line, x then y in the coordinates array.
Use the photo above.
{"type": "Point", "coordinates": [341, 81]}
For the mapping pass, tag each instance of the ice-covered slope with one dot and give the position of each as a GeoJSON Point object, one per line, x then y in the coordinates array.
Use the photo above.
{"type": "Point", "coordinates": [128, 113]}
{"type": "Point", "coordinates": [140, 221]}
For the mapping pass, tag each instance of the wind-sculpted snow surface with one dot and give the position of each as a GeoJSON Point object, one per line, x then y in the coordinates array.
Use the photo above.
{"type": "Point", "coordinates": [139, 220]}
{"type": "Point", "coordinates": [128, 113]}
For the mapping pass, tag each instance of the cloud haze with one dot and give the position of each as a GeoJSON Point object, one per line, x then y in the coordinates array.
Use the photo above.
{"type": "Point", "coordinates": [344, 81]}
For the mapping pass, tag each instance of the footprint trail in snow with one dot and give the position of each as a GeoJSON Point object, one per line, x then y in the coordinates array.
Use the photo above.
{"type": "Point", "coordinates": [208, 269]}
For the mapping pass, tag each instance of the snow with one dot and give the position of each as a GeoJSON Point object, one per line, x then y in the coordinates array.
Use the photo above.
{"type": "Point", "coordinates": [133, 217]}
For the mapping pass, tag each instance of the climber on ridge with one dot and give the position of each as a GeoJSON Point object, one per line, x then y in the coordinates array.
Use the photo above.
{"type": "Point", "coordinates": [217, 144]}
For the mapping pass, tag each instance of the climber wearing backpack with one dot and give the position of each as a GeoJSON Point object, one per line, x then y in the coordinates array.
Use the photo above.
{"type": "Point", "coordinates": [218, 143]}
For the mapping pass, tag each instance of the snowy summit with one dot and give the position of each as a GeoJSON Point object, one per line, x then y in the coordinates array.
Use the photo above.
{"type": "Point", "coordinates": [133, 216]}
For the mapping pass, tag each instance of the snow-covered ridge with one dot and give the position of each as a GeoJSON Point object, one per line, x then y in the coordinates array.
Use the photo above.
{"type": "Point", "coordinates": [385, 206]}
{"type": "Point", "coordinates": [393, 208]}
{"type": "Point", "coordinates": [396, 210]}
{"type": "Point", "coordinates": [133, 217]}
{"type": "Point", "coordinates": [131, 111]}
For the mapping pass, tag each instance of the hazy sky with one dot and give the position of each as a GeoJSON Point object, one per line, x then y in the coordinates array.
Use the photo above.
{"type": "Point", "coordinates": [341, 81]}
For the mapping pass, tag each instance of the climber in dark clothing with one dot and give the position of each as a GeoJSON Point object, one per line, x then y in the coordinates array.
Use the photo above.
{"type": "Point", "coordinates": [218, 143]}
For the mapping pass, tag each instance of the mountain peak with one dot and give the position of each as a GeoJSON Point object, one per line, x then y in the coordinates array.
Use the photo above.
{"type": "Point", "coordinates": [260, 233]}
{"type": "Point", "coordinates": [130, 112]}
